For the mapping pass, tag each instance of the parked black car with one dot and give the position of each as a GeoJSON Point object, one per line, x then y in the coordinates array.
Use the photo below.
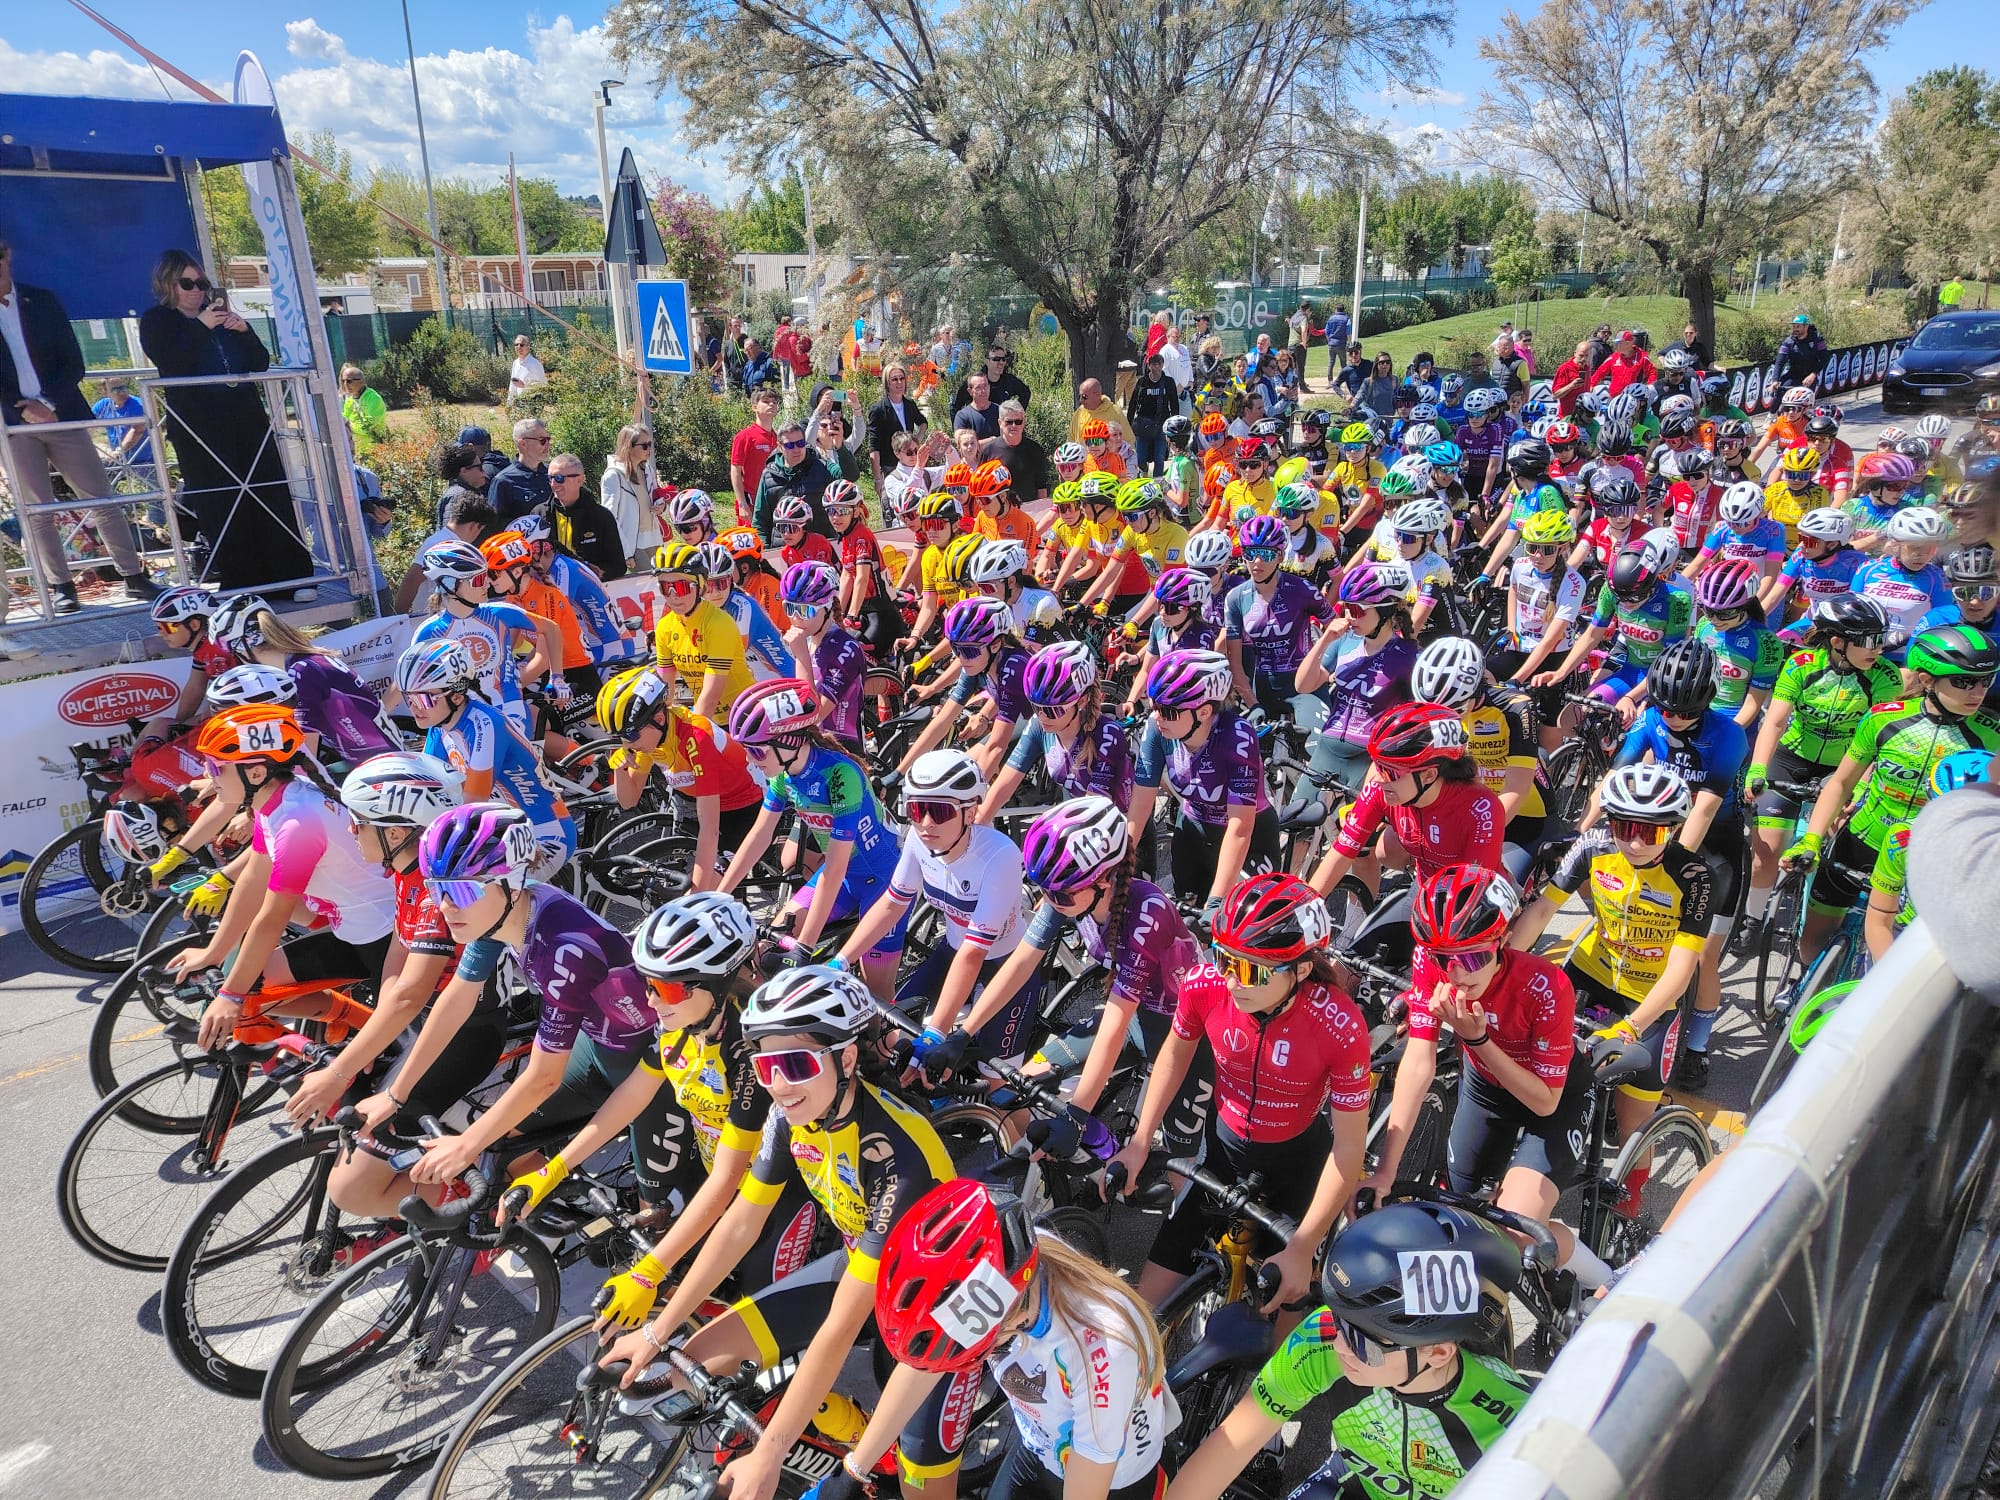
{"type": "Point", "coordinates": [1948, 366]}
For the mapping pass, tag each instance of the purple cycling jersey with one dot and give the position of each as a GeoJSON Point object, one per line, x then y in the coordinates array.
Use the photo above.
{"type": "Point", "coordinates": [337, 706]}
{"type": "Point", "coordinates": [1363, 686]}
{"type": "Point", "coordinates": [1006, 666]}
{"type": "Point", "coordinates": [1479, 445]}
{"type": "Point", "coordinates": [1107, 771]}
{"type": "Point", "coordinates": [581, 967]}
{"type": "Point", "coordinates": [839, 665]}
{"type": "Point", "coordinates": [1227, 771]}
{"type": "Point", "coordinates": [1275, 632]}
{"type": "Point", "coordinates": [1153, 952]}
{"type": "Point", "coordinates": [1197, 633]}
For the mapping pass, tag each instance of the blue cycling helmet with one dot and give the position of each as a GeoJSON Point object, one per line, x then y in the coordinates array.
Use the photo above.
{"type": "Point", "coordinates": [1962, 768]}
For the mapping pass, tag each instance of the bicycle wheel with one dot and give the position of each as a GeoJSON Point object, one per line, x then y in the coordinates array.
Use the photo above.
{"type": "Point", "coordinates": [1671, 1148]}
{"type": "Point", "coordinates": [382, 1387]}
{"type": "Point", "coordinates": [256, 1253]}
{"type": "Point", "coordinates": [144, 1023]}
{"type": "Point", "coordinates": [124, 1189]}
{"type": "Point", "coordinates": [1778, 959]}
{"type": "Point", "coordinates": [1572, 771]}
{"type": "Point", "coordinates": [1830, 968]}
{"type": "Point", "coordinates": [534, 1433]}
{"type": "Point", "coordinates": [74, 906]}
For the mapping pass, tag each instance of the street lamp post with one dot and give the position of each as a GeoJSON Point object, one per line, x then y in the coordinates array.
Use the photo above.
{"type": "Point", "coordinates": [424, 153]}
{"type": "Point", "coordinates": [614, 287]}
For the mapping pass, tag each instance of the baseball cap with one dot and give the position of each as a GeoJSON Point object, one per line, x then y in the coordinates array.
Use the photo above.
{"type": "Point", "coordinates": [1801, 318]}
{"type": "Point", "coordinates": [474, 435]}
{"type": "Point", "coordinates": [1624, 336]}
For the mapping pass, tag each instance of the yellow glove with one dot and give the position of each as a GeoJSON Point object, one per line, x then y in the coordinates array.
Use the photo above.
{"type": "Point", "coordinates": [1101, 608]}
{"type": "Point", "coordinates": [539, 1185]}
{"type": "Point", "coordinates": [632, 1293]}
{"type": "Point", "coordinates": [638, 760]}
{"type": "Point", "coordinates": [1620, 1029]}
{"type": "Point", "coordinates": [1129, 631]}
{"type": "Point", "coordinates": [167, 863]}
{"type": "Point", "coordinates": [206, 899]}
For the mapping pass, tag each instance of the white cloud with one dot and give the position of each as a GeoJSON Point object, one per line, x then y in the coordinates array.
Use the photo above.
{"type": "Point", "coordinates": [312, 42]}
{"type": "Point", "coordinates": [107, 74]}
{"type": "Point", "coordinates": [1398, 94]}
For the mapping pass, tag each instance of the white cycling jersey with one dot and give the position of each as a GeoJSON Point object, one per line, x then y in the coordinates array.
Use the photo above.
{"type": "Point", "coordinates": [979, 891]}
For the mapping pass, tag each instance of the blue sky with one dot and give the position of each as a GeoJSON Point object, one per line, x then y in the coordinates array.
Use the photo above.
{"type": "Point", "coordinates": [501, 75]}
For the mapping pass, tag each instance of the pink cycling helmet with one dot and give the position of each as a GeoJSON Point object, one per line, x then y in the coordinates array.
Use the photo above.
{"type": "Point", "coordinates": [977, 622]}
{"type": "Point", "coordinates": [1727, 584]}
{"type": "Point", "coordinates": [1261, 531]}
{"type": "Point", "coordinates": [778, 708]}
{"type": "Point", "coordinates": [1060, 674]}
{"type": "Point", "coordinates": [1370, 586]}
{"type": "Point", "coordinates": [1187, 679]}
{"type": "Point", "coordinates": [1075, 845]}
{"type": "Point", "coordinates": [810, 583]}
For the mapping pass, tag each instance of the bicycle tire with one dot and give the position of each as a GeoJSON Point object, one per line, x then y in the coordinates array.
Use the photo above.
{"type": "Point", "coordinates": [225, 1301]}
{"type": "Point", "coordinates": [360, 1333]}
{"type": "Point", "coordinates": [1778, 958]}
{"type": "Point", "coordinates": [129, 1036]}
{"type": "Point", "coordinates": [1676, 1136]}
{"type": "Point", "coordinates": [1572, 776]}
{"type": "Point", "coordinates": [530, 1401]}
{"type": "Point", "coordinates": [87, 937]}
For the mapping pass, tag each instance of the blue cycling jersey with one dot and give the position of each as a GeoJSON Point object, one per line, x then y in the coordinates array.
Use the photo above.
{"type": "Point", "coordinates": [832, 795]}
{"type": "Point", "coordinates": [1913, 601]}
{"type": "Point", "coordinates": [760, 636]}
{"type": "Point", "coordinates": [1709, 756]}
{"type": "Point", "coordinates": [488, 635]}
{"type": "Point", "coordinates": [482, 742]}
{"type": "Point", "coordinates": [603, 628]}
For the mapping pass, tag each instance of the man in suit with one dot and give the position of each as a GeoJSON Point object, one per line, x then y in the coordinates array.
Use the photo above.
{"type": "Point", "coordinates": [40, 364]}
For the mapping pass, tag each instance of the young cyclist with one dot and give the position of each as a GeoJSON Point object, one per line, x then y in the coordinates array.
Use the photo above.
{"type": "Point", "coordinates": [1180, 621]}
{"type": "Point", "coordinates": [795, 543]}
{"type": "Point", "coordinates": [1085, 750]}
{"type": "Point", "coordinates": [865, 607]}
{"type": "Point", "coordinates": [990, 662]}
{"type": "Point", "coordinates": [1500, 725]}
{"type": "Point", "coordinates": [489, 632]}
{"type": "Point", "coordinates": [329, 700]}
{"type": "Point", "coordinates": [1268, 620]}
{"type": "Point", "coordinates": [1744, 534]}
{"type": "Point", "coordinates": [696, 644]}
{"type": "Point", "coordinates": [1881, 485]}
{"type": "Point", "coordinates": [1650, 610]}
{"type": "Point", "coordinates": [691, 753]}
{"type": "Point", "coordinates": [822, 651]}
{"type": "Point", "coordinates": [1357, 478]}
{"type": "Point", "coordinates": [999, 570]}
{"type": "Point", "coordinates": [936, 525]}
{"type": "Point", "coordinates": [1822, 567]}
{"type": "Point", "coordinates": [1529, 494]}
{"type": "Point", "coordinates": [1545, 592]}
{"type": "Point", "coordinates": [1065, 532]}
{"type": "Point", "coordinates": [510, 578]}
{"type": "Point", "coordinates": [1906, 580]}
{"type": "Point", "coordinates": [1411, 536]}
{"type": "Point", "coordinates": [1146, 534]}
{"type": "Point", "coordinates": [1890, 908]}
{"type": "Point", "coordinates": [1795, 489]}
{"type": "Point", "coordinates": [1360, 666]}
{"type": "Point", "coordinates": [737, 582]}
{"type": "Point", "coordinates": [605, 635]}
{"type": "Point", "coordinates": [1731, 624]}
{"type": "Point", "coordinates": [1482, 438]}
{"type": "Point", "coordinates": [181, 614]}
{"type": "Point", "coordinates": [1181, 475]}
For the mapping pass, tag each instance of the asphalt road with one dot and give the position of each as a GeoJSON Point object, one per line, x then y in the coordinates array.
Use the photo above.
{"type": "Point", "coordinates": [91, 1402]}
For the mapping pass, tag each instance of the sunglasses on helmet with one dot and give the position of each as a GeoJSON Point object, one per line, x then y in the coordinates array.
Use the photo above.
{"type": "Point", "coordinates": [793, 1065]}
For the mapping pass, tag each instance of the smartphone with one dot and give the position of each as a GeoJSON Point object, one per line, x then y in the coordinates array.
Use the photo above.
{"type": "Point", "coordinates": [842, 398]}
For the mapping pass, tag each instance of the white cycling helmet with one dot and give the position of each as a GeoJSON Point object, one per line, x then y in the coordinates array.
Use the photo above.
{"type": "Point", "coordinates": [1483, 400]}
{"type": "Point", "coordinates": [996, 561]}
{"type": "Point", "coordinates": [1208, 551]}
{"type": "Point", "coordinates": [1675, 360]}
{"type": "Point", "coordinates": [1420, 435]}
{"type": "Point", "coordinates": [1917, 523]}
{"type": "Point", "coordinates": [250, 684]}
{"type": "Point", "coordinates": [532, 528]}
{"type": "Point", "coordinates": [402, 790]}
{"type": "Point", "coordinates": [132, 831]}
{"type": "Point", "coordinates": [944, 776]}
{"type": "Point", "coordinates": [449, 564]}
{"type": "Point", "coordinates": [828, 1005]}
{"type": "Point", "coordinates": [1646, 793]}
{"type": "Point", "coordinates": [705, 937]}
{"type": "Point", "coordinates": [1413, 467]}
{"type": "Point", "coordinates": [690, 508]}
{"type": "Point", "coordinates": [1427, 515]}
{"type": "Point", "coordinates": [1827, 523]}
{"type": "Point", "coordinates": [434, 667]}
{"type": "Point", "coordinates": [1742, 503]}
{"type": "Point", "coordinates": [236, 626]}
{"type": "Point", "coordinates": [1797, 398]}
{"type": "Point", "coordinates": [1934, 428]}
{"type": "Point", "coordinates": [1070, 453]}
{"type": "Point", "coordinates": [1539, 429]}
{"type": "Point", "coordinates": [1677, 406]}
{"type": "Point", "coordinates": [1448, 671]}
{"type": "Point", "coordinates": [1661, 548]}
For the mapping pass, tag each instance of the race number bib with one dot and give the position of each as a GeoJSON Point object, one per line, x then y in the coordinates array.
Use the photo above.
{"type": "Point", "coordinates": [1438, 1283]}
{"type": "Point", "coordinates": [976, 1308]}
{"type": "Point", "coordinates": [265, 738]}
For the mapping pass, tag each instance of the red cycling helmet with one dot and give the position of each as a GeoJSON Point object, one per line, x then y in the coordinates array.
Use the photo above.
{"type": "Point", "coordinates": [954, 1266]}
{"type": "Point", "coordinates": [1415, 735]}
{"type": "Point", "coordinates": [1272, 919]}
{"type": "Point", "coordinates": [1464, 906]}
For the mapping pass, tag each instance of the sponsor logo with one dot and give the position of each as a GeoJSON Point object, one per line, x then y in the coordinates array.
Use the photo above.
{"type": "Point", "coordinates": [1607, 881]}
{"type": "Point", "coordinates": [955, 1421]}
{"type": "Point", "coordinates": [33, 804]}
{"type": "Point", "coordinates": [1100, 1372]}
{"type": "Point", "coordinates": [109, 699]}
{"type": "Point", "coordinates": [805, 1151]}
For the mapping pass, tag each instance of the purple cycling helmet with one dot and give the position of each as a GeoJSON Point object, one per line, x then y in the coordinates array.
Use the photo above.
{"type": "Point", "coordinates": [1182, 588]}
{"type": "Point", "coordinates": [1260, 532]}
{"type": "Point", "coordinates": [1060, 674]}
{"type": "Point", "coordinates": [1187, 679]}
{"type": "Point", "coordinates": [972, 623]}
{"type": "Point", "coordinates": [1370, 586]}
{"type": "Point", "coordinates": [483, 841]}
{"type": "Point", "coordinates": [815, 584]}
{"type": "Point", "coordinates": [1728, 583]}
{"type": "Point", "coordinates": [1075, 845]}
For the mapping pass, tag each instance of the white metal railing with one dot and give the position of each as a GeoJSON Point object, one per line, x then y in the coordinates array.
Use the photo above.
{"type": "Point", "coordinates": [511, 301]}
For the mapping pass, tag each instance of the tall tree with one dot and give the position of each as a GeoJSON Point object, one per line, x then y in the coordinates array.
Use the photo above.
{"type": "Point", "coordinates": [1080, 140]}
{"type": "Point", "coordinates": [1929, 184]}
{"type": "Point", "coordinates": [697, 252]}
{"type": "Point", "coordinates": [340, 225]}
{"type": "Point", "coordinates": [772, 219]}
{"type": "Point", "coordinates": [1699, 128]}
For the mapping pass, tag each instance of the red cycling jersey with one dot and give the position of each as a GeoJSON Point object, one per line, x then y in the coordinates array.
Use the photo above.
{"type": "Point", "coordinates": [1530, 1013]}
{"type": "Point", "coordinates": [1464, 826]}
{"type": "Point", "coordinates": [1274, 1072]}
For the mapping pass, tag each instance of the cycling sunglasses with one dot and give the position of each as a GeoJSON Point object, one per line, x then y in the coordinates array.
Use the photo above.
{"type": "Point", "coordinates": [1471, 960]}
{"type": "Point", "coordinates": [1404, 538]}
{"type": "Point", "coordinates": [1976, 593]}
{"type": "Point", "coordinates": [423, 703]}
{"type": "Point", "coordinates": [935, 522]}
{"type": "Point", "coordinates": [787, 528]}
{"type": "Point", "coordinates": [688, 528]}
{"type": "Point", "coordinates": [1347, 610]}
{"type": "Point", "coordinates": [1260, 554]}
{"type": "Point", "coordinates": [1628, 831]}
{"type": "Point", "coordinates": [805, 611]}
{"type": "Point", "coordinates": [1968, 681]}
{"type": "Point", "coordinates": [1095, 442]}
{"type": "Point", "coordinates": [676, 588]}
{"type": "Point", "coordinates": [794, 1065]}
{"type": "Point", "coordinates": [1246, 971]}
{"type": "Point", "coordinates": [1368, 1350]}
{"type": "Point", "coordinates": [668, 991]}
{"type": "Point", "coordinates": [932, 812]}
{"type": "Point", "coordinates": [455, 893]}
{"type": "Point", "coordinates": [1542, 549]}
{"type": "Point", "coordinates": [969, 653]}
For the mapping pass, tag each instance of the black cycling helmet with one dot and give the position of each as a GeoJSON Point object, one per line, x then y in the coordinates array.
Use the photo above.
{"type": "Point", "coordinates": [1612, 488]}
{"type": "Point", "coordinates": [1683, 678]}
{"type": "Point", "coordinates": [1678, 425]}
{"type": "Point", "coordinates": [1316, 417]}
{"type": "Point", "coordinates": [1529, 458]}
{"type": "Point", "coordinates": [1632, 575]}
{"type": "Point", "coordinates": [1471, 1265]}
{"type": "Point", "coordinates": [1916, 450]}
{"type": "Point", "coordinates": [1614, 439]}
{"type": "Point", "coordinates": [1177, 429]}
{"type": "Point", "coordinates": [1820, 425]}
{"type": "Point", "coordinates": [1853, 617]}
{"type": "Point", "coordinates": [1970, 565]}
{"type": "Point", "coordinates": [1954, 651]}
{"type": "Point", "coordinates": [1731, 429]}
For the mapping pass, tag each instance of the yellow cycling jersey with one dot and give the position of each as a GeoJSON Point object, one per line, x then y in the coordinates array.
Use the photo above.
{"type": "Point", "coordinates": [1353, 483]}
{"type": "Point", "coordinates": [1159, 549]}
{"type": "Point", "coordinates": [933, 578]}
{"type": "Point", "coordinates": [716, 1085]}
{"type": "Point", "coordinates": [1502, 732]}
{"type": "Point", "coordinates": [1639, 913]}
{"type": "Point", "coordinates": [1259, 496]}
{"type": "Point", "coordinates": [704, 641]}
{"type": "Point", "coordinates": [1786, 505]}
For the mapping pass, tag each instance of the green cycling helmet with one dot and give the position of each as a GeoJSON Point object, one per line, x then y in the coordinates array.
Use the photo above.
{"type": "Point", "coordinates": [1136, 495]}
{"type": "Point", "coordinates": [1954, 651]}
{"type": "Point", "coordinates": [1295, 500]}
{"type": "Point", "coordinates": [1395, 485]}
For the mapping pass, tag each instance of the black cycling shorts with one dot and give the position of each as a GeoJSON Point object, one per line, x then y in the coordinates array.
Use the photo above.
{"type": "Point", "coordinates": [665, 1158]}
{"type": "Point", "coordinates": [324, 956]}
{"type": "Point", "coordinates": [1727, 852]}
{"type": "Point", "coordinates": [1662, 1039]}
{"type": "Point", "coordinates": [1290, 1171]}
{"type": "Point", "coordinates": [1831, 888]}
{"type": "Point", "coordinates": [1774, 808]}
{"type": "Point", "coordinates": [1023, 1476]}
{"type": "Point", "coordinates": [1493, 1131]}
{"type": "Point", "coordinates": [1196, 848]}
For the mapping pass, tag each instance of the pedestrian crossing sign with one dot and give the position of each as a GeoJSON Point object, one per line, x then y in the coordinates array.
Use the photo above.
{"type": "Point", "coordinates": [665, 342]}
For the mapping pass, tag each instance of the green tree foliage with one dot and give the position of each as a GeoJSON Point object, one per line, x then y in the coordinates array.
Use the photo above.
{"type": "Point", "coordinates": [340, 226]}
{"type": "Point", "coordinates": [772, 219]}
{"type": "Point", "coordinates": [476, 220]}
{"type": "Point", "coordinates": [1933, 178]}
{"type": "Point", "coordinates": [227, 197]}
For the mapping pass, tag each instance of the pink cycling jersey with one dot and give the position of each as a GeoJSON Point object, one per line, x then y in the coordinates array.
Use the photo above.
{"type": "Point", "coordinates": [1275, 1072]}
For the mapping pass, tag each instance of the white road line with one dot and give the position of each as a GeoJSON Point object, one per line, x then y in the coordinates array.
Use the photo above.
{"type": "Point", "coordinates": [17, 1461]}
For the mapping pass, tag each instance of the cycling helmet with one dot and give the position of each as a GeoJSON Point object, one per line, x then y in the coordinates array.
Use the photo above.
{"type": "Point", "coordinates": [1614, 490]}
{"type": "Point", "coordinates": [1970, 565]}
{"type": "Point", "coordinates": [1072, 453]}
{"type": "Point", "coordinates": [439, 666]}
{"type": "Point", "coordinates": [506, 549]}
{"type": "Point", "coordinates": [1796, 398]}
{"type": "Point", "coordinates": [680, 559]}
{"type": "Point", "coordinates": [1414, 735]}
{"type": "Point", "coordinates": [704, 937]}
{"type": "Point", "coordinates": [1177, 429]}
{"type": "Point", "coordinates": [1622, 410]}
{"type": "Point", "coordinates": [1634, 575]}
{"type": "Point", "coordinates": [715, 562]}
{"type": "Point", "coordinates": [1528, 458]}
{"type": "Point", "coordinates": [1731, 430]}
{"type": "Point", "coordinates": [1294, 470]}
{"type": "Point", "coordinates": [828, 1005]}
{"type": "Point", "coordinates": [1548, 528]}
{"type": "Point", "coordinates": [483, 841]}
{"type": "Point", "coordinates": [1426, 516]}
{"type": "Point", "coordinates": [238, 623]}
{"type": "Point", "coordinates": [132, 832]}
{"type": "Point", "coordinates": [958, 476]}
{"type": "Point", "coordinates": [776, 710]}
{"type": "Point", "coordinates": [1060, 674]}
{"type": "Point", "coordinates": [182, 603]}
{"type": "Point", "coordinates": [1742, 504]}
{"type": "Point", "coordinates": [1799, 463]}
{"type": "Point", "coordinates": [1218, 479]}
{"type": "Point", "coordinates": [1075, 845]}
{"type": "Point", "coordinates": [1213, 424]}
{"type": "Point", "coordinates": [402, 789]}
{"type": "Point", "coordinates": [958, 555]}
{"type": "Point", "coordinates": [1268, 428]}
{"type": "Point", "coordinates": [1066, 493]}
{"type": "Point", "coordinates": [1397, 485]}
{"type": "Point", "coordinates": [629, 701]}
{"type": "Point", "coordinates": [1261, 532]}
{"type": "Point", "coordinates": [1852, 617]}
{"type": "Point", "coordinates": [963, 1244]}
{"type": "Point", "coordinates": [1821, 427]}
{"type": "Point", "coordinates": [1563, 433]}
{"type": "Point", "coordinates": [1091, 431]}
{"type": "Point", "coordinates": [1182, 588]}
{"type": "Point", "coordinates": [1917, 523]}
{"type": "Point", "coordinates": [1591, 402]}
{"type": "Point", "coordinates": [1675, 361]}
{"type": "Point", "coordinates": [1356, 435]}
{"type": "Point", "coordinates": [1988, 408]}
{"type": "Point", "coordinates": [990, 478]}
{"type": "Point", "coordinates": [1449, 671]}
{"type": "Point", "coordinates": [1464, 906]}
{"type": "Point", "coordinates": [1961, 768]}
{"type": "Point", "coordinates": [1693, 464]}
{"type": "Point", "coordinates": [1097, 488]}
{"type": "Point", "coordinates": [1934, 428]}
{"type": "Point", "coordinates": [792, 510]}
{"type": "Point", "coordinates": [1917, 451]}
{"type": "Point", "coordinates": [1677, 425]}
{"type": "Point", "coordinates": [1662, 549]}
{"type": "Point", "coordinates": [1682, 679]}
{"type": "Point", "coordinates": [1208, 551]}
{"type": "Point", "coordinates": [1137, 495]}
{"type": "Point", "coordinates": [1827, 523]}
{"type": "Point", "coordinates": [944, 776]}
{"type": "Point", "coordinates": [1363, 1284]}
{"type": "Point", "coordinates": [809, 583]}
{"type": "Point", "coordinates": [251, 732]}
{"type": "Point", "coordinates": [690, 508]}
{"type": "Point", "coordinates": [1451, 387]}
{"type": "Point", "coordinates": [1728, 583]}
{"type": "Point", "coordinates": [1272, 919]}
{"type": "Point", "coordinates": [1420, 434]}
{"type": "Point", "coordinates": [1445, 455]}
{"type": "Point", "coordinates": [937, 506]}
{"type": "Point", "coordinates": [533, 528]}
{"type": "Point", "coordinates": [448, 564]}
{"type": "Point", "coordinates": [996, 561]}
{"type": "Point", "coordinates": [1954, 651]}
{"type": "Point", "coordinates": [1481, 402]}
{"type": "Point", "coordinates": [1887, 467]}
{"type": "Point", "coordinates": [842, 494]}
{"type": "Point", "coordinates": [1614, 439]}
{"type": "Point", "coordinates": [1373, 586]}
{"type": "Point", "coordinates": [1681, 405]}
{"type": "Point", "coordinates": [1295, 500]}
{"type": "Point", "coordinates": [1187, 679]}
{"type": "Point", "coordinates": [977, 622]}
{"type": "Point", "coordinates": [251, 684]}
{"type": "Point", "coordinates": [1646, 793]}
{"type": "Point", "coordinates": [1539, 427]}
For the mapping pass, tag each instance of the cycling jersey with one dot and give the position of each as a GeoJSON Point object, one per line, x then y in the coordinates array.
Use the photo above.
{"type": "Point", "coordinates": [932, 568]}
{"type": "Point", "coordinates": [581, 968]}
{"type": "Point", "coordinates": [1899, 744]}
{"type": "Point", "coordinates": [1709, 755]}
{"type": "Point", "coordinates": [1868, 514]}
{"type": "Point", "coordinates": [834, 801]}
{"type": "Point", "coordinates": [1693, 512]}
{"type": "Point", "coordinates": [1910, 599]}
{"type": "Point", "coordinates": [865, 1172]}
{"type": "Point", "coordinates": [1309, 552]}
{"type": "Point", "coordinates": [1827, 703]}
{"type": "Point", "coordinates": [314, 857]}
{"type": "Point", "coordinates": [1182, 478]}
{"type": "Point", "coordinates": [1004, 681]}
{"type": "Point", "coordinates": [488, 635]}
{"type": "Point", "coordinates": [716, 1084]}
{"type": "Point", "coordinates": [1479, 444]}
{"type": "Point", "coordinates": [212, 659]}
{"type": "Point", "coordinates": [1530, 1013]}
{"type": "Point", "coordinates": [1396, 1447]}
{"type": "Point", "coordinates": [755, 627]}
{"type": "Point", "coordinates": [420, 926]}
{"type": "Point", "coordinates": [1152, 954]}
{"type": "Point", "coordinates": [1540, 596]}
{"type": "Point", "coordinates": [1363, 685]}
{"type": "Point", "coordinates": [1105, 771]}
{"type": "Point", "coordinates": [1274, 1073]}
{"type": "Point", "coordinates": [978, 891]}
{"type": "Point", "coordinates": [1505, 738]}
{"type": "Point", "coordinates": [337, 706]}
{"type": "Point", "coordinates": [1891, 875]}
{"type": "Point", "coordinates": [1639, 913]}
{"type": "Point", "coordinates": [495, 760]}
{"type": "Point", "coordinates": [1274, 631]}
{"type": "Point", "coordinates": [1648, 628]}
{"type": "Point", "coordinates": [1196, 634]}
{"type": "Point", "coordinates": [1747, 658]}
{"type": "Point", "coordinates": [1430, 574]}
{"type": "Point", "coordinates": [703, 641]}
{"type": "Point", "coordinates": [1129, 573]}
{"type": "Point", "coordinates": [759, 587]}
{"type": "Point", "coordinates": [1259, 497]}
{"type": "Point", "coordinates": [1785, 506]}
{"type": "Point", "coordinates": [604, 632]}
{"type": "Point", "coordinates": [1227, 771]}
{"type": "Point", "coordinates": [1035, 614]}
{"type": "Point", "coordinates": [1359, 486]}
{"type": "Point", "coordinates": [546, 602]}
{"type": "Point", "coordinates": [699, 759]}
{"type": "Point", "coordinates": [1821, 578]}
{"type": "Point", "coordinates": [1462, 826]}
{"type": "Point", "coordinates": [840, 667]}
{"type": "Point", "coordinates": [1525, 503]}
{"type": "Point", "coordinates": [1158, 549]}
{"type": "Point", "coordinates": [1762, 543]}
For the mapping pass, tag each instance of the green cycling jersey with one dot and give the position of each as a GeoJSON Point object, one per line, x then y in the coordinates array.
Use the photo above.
{"type": "Point", "coordinates": [1827, 703]}
{"type": "Point", "coordinates": [1899, 745]}
{"type": "Point", "coordinates": [1891, 875]}
{"type": "Point", "coordinates": [1395, 1446]}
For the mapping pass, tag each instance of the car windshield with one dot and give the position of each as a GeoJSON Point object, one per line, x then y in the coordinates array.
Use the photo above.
{"type": "Point", "coordinates": [1959, 333]}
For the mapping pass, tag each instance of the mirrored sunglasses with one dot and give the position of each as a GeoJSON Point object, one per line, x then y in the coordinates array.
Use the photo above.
{"type": "Point", "coordinates": [932, 812]}
{"type": "Point", "coordinates": [1625, 830]}
{"type": "Point", "coordinates": [455, 893]}
{"type": "Point", "coordinates": [794, 1065]}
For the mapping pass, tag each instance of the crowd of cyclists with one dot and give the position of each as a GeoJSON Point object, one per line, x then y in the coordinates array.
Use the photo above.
{"type": "Point", "coordinates": [1261, 747]}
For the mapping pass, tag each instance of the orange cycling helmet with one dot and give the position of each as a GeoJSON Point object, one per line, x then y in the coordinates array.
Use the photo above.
{"type": "Point", "coordinates": [506, 549]}
{"type": "Point", "coordinates": [1093, 429]}
{"type": "Point", "coordinates": [957, 477]}
{"type": "Point", "coordinates": [1214, 424]}
{"type": "Point", "coordinates": [250, 732]}
{"type": "Point", "coordinates": [1220, 477]}
{"type": "Point", "coordinates": [742, 542]}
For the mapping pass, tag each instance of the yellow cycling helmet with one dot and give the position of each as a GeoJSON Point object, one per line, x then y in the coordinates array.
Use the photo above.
{"type": "Point", "coordinates": [627, 701]}
{"type": "Point", "coordinates": [1069, 492]}
{"type": "Point", "coordinates": [1291, 471]}
{"type": "Point", "coordinates": [957, 558]}
{"type": "Point", "coordinates": [1097, 488]}
{"type": "Point", "coordinates": [1800, 461]}
{"type": "Point", "coordinates": [938, 506]}
{"type": "Point", "coordinates": [1356, 435]}
{"type": "Point", "coordinates": [678, 557]}
{"type": "Point", "coordinates": [1548, 528]}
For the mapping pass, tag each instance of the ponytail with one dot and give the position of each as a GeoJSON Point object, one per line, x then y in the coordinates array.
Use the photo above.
{"type": "Point", "coordinates": [1081, 1292]}
{"type": "Point", "coordinates": [1121, 892]}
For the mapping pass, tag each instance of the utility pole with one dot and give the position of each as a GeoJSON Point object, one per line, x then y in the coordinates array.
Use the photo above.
{"type": "Point", "coordinates": [1360, 250]}
{"type": "Point", "coordinates": [424, 154]}
{"type": "Point", "coordinates": [615, 290]}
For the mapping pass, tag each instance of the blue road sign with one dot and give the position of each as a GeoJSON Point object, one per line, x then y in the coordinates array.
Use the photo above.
{"type": "Point", "coordinates": [666, 345]}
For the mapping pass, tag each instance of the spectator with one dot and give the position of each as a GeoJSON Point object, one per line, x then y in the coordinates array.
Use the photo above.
{"type": "Point", "coordinates": [1600, 345]}
{"type": "Point", "coordinates": [1572, 378]}
{"type": "Point", "coordinates": [830, 438]}
{"type": "Point", "coordinates": [1258, 357]}
{"type": "Point", "coordinates": [1154, 398]}
{"type": "Point", "coordinates": [940, 354]}
{"type": "Point", "coordinates": [468, 518]}
{"type": "Point", "coordinates": [364, 411]}
{"type": "Point", "coordinates": [796, 470]}
{"type": "Point", "coordinates": [378, 514]}
{"type": "Point", "coordinates": [1090, 402]}
{"type": "Point", "coordinates": [463, 474]}
{"type": "Point", "coordinates": [584, 529]}
{"type": "Point", "coordinates": [524, 484]}
{"type": "Point", "coordinates": [1002, 384]}
{"type": "Point", "coordinates": [784, 343]}
{"type": "Point", "coordinates": [1524, 345]}
{"type": "Point", "coordinates": [1299, 327]}
{"type": "Point", "coordinates": [1338, 331]}
{"type": "Point", "coordinates": [1347, 382]}
{"type": "Point", "coordinates": [1376, 393]}
{"type": "Point", "coordinates": [1027, 461]}
{"type": "Point", "coordinates": [1178, 367]}
{"type": "Point", "coordinates": [489, 457]}
{"type": "Point", "coordinates": [1628, 364]}
{"type": "Point", "coordinates": [979, 415]}
{"type": "Point", "coordinates": [1156, 334]}
{"type": "Point", "coordinates": [627, 492]}
{"type": "Point", "coordinates": [920, 458]}
{"type": "Point", "coordinates": [1801, 355]}
{"type": "Point", "coordinates": [758, 367]}
{"type": "Point", "coordinates": [1207, 361]}
{"type": "Point", "coordinates": [1422, 370]}
{"type": "Point", "coordinates": [130, 445]}
{"type": "Point", "coordinates": [527, 371]}
{"type": "Point", "coordinates": [1506, 368]}
{"type": "Point", "coordinates": [1691, 341]}
{"type": "Point", "coordinates": [896, 413]}
{"type": "Point", "coordinates": [1282, 386]}
{"type": "Point", "coordinates": [802, 355]}
{"type": "Point", "coordinates": [751, 449]}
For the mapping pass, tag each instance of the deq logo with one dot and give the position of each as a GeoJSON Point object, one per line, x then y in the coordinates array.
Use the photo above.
{"type": "Point", "coordinates": [106, 701]}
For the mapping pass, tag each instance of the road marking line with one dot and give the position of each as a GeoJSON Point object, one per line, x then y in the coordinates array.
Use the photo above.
{"type": "Point", "coordinates": [17, 1461]}
{"type": "Point", "coordinates": [50, 1066]}
{"type": "Point", "coordinates": [1716, 1116]}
